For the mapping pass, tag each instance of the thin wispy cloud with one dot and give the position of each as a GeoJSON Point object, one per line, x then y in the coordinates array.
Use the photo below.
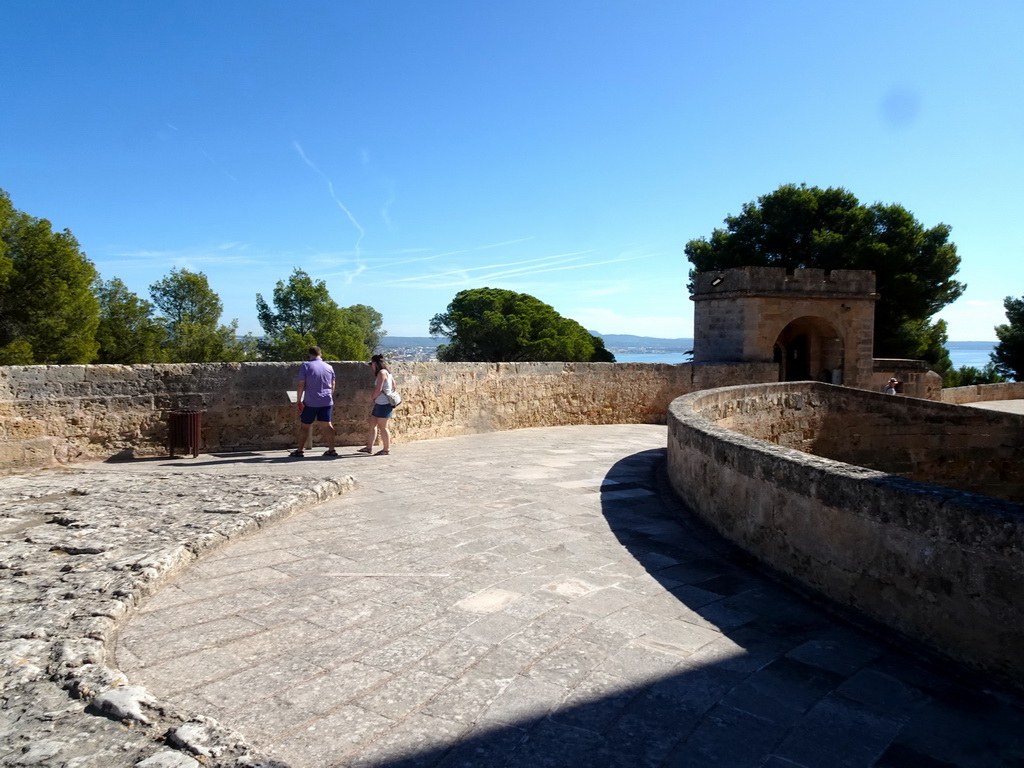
{"type": "Point", "coordinates": [351, 275]}
{"type": "Point", "coordinates": [459, 252]}
{"type": "Point", "coordinates": [389, 261]}
{"type": "Point", "coordinates": [466, 271]}
{"type": "Point", "coordinates": [462, 276]}
{"type": "Point", "coordinates": [334, 197]}
{"type": "Point", "coordinates": [562, 268]}
{"type": "Point", "coordinates": [216, 164]}
{"type": "Point", "coordinates": [220, 254]}
{"type": "Point", "coordinates": [385, 210]}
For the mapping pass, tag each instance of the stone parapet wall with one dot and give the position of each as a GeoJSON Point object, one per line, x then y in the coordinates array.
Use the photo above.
{"type": "Point", "coordinates": [816, 326]}
{"type": "Point", "coordinates": [980, 393]}
{"type": "Point", "coordinates": [59, 414]}
{"type": "Point", "coordinates": [940, 566]}
{"type": "Point", "coordinates": [916, 378]}
{"type": "Point", "coordinates": [969, 449]}
{"type": "Point", "coordinates": [776, 280]}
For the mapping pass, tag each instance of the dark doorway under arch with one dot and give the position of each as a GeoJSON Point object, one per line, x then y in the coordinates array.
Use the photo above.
{"type": "Point", "coordinates": [809, 349]}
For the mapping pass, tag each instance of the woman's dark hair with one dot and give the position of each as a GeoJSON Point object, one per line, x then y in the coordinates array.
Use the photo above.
{"type": "Point", "coordinates": [379, 360]}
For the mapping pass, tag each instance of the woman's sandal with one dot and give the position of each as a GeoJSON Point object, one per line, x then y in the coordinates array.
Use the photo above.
{"type": "Point", "coordinates": [365, 450]}
{"type": "Point", "coordinates": [382, 453]}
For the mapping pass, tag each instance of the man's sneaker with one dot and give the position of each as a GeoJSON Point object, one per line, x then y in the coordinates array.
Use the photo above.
{"type": "Point", "coordinates": [330, 452]}
{"type": "Point", "coordinates": [297, 454]}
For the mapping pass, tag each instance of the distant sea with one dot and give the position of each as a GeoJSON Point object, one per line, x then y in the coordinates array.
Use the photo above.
{"type": "Point", "coordinates": [646, 349]}
{"type": "Point", "coordinates": [972, 353]}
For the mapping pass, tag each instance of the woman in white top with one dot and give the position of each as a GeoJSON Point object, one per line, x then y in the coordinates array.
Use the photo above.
{"type": "Point", "coordinates": [382, 408]}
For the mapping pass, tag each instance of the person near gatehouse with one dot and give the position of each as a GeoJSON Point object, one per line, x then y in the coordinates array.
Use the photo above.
{"type": "Point", "coordinates": [382, 408]}
{"type": "Point", "coordinates": [892, 386]}
{"type": "Point", "coordinates": [315, 398]}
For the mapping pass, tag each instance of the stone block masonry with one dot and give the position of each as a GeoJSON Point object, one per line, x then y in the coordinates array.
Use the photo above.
{"type": "Point", "coordinates": [59, 414]}
{"type": "Point", "coordinates": [980, 393]}
{"type": "Point", "coordinates": [769, 467]}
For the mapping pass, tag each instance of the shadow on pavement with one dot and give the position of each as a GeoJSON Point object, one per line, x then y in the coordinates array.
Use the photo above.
{"type": "Point", "coordinates": [787, 685]}
{"type": "Point", "coordinates": [222, 459]}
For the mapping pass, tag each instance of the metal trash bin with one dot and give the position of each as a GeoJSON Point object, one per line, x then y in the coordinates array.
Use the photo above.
{"type": "Point", "coordinates": [185, 430]}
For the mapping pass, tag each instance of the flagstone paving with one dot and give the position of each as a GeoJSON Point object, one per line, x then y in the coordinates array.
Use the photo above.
{"type": "Point", "coordinates": [533, 598]}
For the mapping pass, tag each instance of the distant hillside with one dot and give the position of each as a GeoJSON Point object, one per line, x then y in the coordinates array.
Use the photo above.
{"type": "Point", "coordinates": [611, 341]}
{"type": "Point", "coordinates": [396, 342]}
{"type": "Point", "coordinates": [627, 341]}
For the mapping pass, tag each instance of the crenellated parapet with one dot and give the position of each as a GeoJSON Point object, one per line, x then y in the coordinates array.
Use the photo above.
{"type": "Point", "coordinates": [769, 281]}
{"type": "Point", "coordinates": [814, 325]}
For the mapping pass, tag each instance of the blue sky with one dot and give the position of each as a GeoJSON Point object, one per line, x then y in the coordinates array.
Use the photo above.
{"type": "Point", "coordinates": [404, 151]}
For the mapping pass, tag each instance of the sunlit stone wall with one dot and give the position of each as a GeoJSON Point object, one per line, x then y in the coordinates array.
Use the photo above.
{"type": "Point", "coordinates": [941, 566]}
{"type": "Point", "coordinates": [59, 414]}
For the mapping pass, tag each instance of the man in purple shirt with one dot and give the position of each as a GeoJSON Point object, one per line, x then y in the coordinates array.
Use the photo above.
{"type": "Point", "coordinates": [315, 400]}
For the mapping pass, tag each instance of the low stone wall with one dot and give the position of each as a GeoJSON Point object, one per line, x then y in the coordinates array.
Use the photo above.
{"type": "Point", "coordinates": [940, 566]}
{"type": "Point", "coordinates": [916, 378]}
{"type": "Point", "coordinates": [980, 393]}
{"type": "Point", "coordinates": [968, 449]}
{"type": "Point", "coordinates": [59, 414]}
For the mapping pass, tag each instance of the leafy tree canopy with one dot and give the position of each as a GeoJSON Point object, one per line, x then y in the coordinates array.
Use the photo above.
{"type": "Point", "coordinates": [495, 325]}
{"type": "Point", "coordinates": [967, 375]}
{"type": "Point", "coordinates": [191, 311]}
{"type": "Point", "coordinates": [1008, 356]}
{"type": "Point", "coordinates": [801, 226]}
{"type": "Point", "coordinates": [48, 313]}
{"type": "Point", "coordinates": [127, 333]}
{"type": "Point", "coordinates": [370, 323]}
{"type": "Point", "coordinates": [304, 314]}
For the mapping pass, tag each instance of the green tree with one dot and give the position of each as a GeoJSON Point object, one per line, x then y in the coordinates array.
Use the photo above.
{"type": "Point", "coordinates": [48, 313]}
{"type": "Point", "coordinates": [801, 226]}
{"type": "Point", "coordinates": [495, 325]}
{"type": "Point", "coordinates": [967, 375]}
{"type": "Point", "coordinates": [370, 323]}
{"type": "Point", "coordinates": [191, 313]}
{"type": "Point", "coordinates": [1008, 356]}
{"type": "Point", "coordinates": [304, 314]}
{"type": "Point", "coordinates": [127, 333]}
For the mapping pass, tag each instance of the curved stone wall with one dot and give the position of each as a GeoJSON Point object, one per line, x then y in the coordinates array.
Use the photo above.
{"type": "Point", "coordinates": [982, 393]}
{"type": "Point", "coordinates": [58, 414]}
{"type": "Point", "coordinates": [939, 565]}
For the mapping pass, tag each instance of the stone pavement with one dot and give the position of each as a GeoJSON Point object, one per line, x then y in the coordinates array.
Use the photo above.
{"type": "Point", "coordinates": [1009, 406]}
{"type": "Point", "coordinates": [79, 548]}
{"type": "Point", "coordinates": [528, 598]}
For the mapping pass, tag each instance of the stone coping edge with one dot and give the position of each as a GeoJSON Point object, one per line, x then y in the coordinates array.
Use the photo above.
{"type": "Point", "coordinates": [925, 561]}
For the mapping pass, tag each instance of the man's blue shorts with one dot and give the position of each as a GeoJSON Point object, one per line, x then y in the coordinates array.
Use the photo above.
{"type": "Point", "coordinates": [311, 413]}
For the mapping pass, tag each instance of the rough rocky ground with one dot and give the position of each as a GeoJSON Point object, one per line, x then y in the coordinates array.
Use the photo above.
{"type": "Point", "coordinates": [79, 549]}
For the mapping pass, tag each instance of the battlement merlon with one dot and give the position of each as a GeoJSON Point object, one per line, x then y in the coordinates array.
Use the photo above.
{"type": "Point", "coordinates": [774, 281]}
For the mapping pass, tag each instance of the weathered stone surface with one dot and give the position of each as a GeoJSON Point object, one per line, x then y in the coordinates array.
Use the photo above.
{"type": "Point", "coordinates": [746, 314]}
{"type": "Point", "coordinates": [939, 565]}
{"type": "Point", "coordinates": [125, 703]}
{"type": "Point", "coordinates": [78, 550]}
{"type": "Point", "coordinates": [980, 393]}
{"type": "Point", "coordinates": [114, 410]}
{"type": "Point", "coordinates": [168, 759]}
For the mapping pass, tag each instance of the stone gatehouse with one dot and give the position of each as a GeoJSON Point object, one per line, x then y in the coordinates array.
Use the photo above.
{"type": "Point", "coordinates": [812, 325]}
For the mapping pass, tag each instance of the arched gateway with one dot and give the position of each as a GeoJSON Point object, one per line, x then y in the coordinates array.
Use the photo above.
{"type": "Point", "coordinates": [814, 325]}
